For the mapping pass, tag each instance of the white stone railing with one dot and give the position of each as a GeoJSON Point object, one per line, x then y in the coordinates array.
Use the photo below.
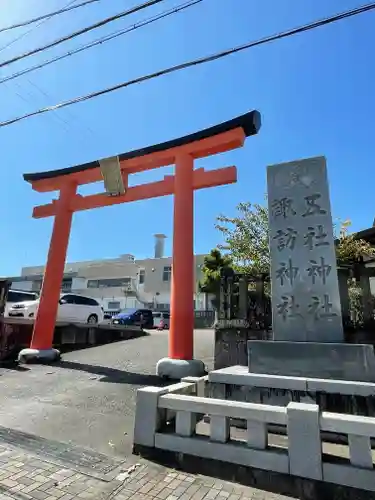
{"type": "Point", "coordinates": [301, 457]}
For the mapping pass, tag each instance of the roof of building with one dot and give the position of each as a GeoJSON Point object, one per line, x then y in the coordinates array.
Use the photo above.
{"type": "Point", "coordinates": [366, 234]}
{"type": "Point", "coordinates": [249, 122]}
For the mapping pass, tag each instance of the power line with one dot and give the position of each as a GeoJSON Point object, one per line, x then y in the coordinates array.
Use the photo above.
{"type": "Point", "coordinates": [82, 31]}
{"type": "Point", "coordinates": [102, 40]}
{"type": "Point", "coordinates": [64, 123]}
{"type": "Point", "coordinates": [78, 120]}
{"type": "Point", "coordinates": [25, 33]}
{"type": "Point", "coordinates": [196, 62]}
{"type": "Point", "coordinates": [47, 16]}
{"type": "Point", "coordinates": [31, 99]}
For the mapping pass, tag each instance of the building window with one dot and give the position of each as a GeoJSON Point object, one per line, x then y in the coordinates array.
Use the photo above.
{"type": "Point", "coordinates": [167, 273]}
{"type": "Point", "coordinates": [142, 274]}
{"type": "Point", "coordinates": [109, 283]}
{"type": "Point", "coordinates": [162, 307]}
{"type": "Point", "coordinates": [66, 285]}
{"type": "Point", "coordinates": [114, 305]}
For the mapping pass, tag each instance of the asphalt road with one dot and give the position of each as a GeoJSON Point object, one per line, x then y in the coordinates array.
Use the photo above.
{"type": "Point", "coordinates": [88, 399]}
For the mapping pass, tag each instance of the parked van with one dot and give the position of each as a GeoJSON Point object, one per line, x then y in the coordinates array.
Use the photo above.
{"type": "Point", "coordinates": [15, 296]}
{"type": "Point", "coordinates": [161, 320]}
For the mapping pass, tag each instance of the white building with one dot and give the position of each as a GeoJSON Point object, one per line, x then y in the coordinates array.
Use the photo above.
{"type": "Point", "coordinates": [120, 283]}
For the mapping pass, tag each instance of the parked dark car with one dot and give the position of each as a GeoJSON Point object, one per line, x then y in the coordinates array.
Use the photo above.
{"type": "Point", "coordinates": [134, 317]}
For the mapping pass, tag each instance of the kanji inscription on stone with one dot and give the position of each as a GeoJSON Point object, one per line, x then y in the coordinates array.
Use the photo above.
{"type": "Point", "coordinates": [305, 293]}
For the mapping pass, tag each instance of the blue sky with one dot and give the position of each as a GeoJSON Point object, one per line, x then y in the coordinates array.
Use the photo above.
{"type": "Point", "coordinates": [314, 91]}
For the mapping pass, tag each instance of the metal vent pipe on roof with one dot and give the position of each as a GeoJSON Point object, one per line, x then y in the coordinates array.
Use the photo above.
{"type": "Point", "coordinates": [159, 245]}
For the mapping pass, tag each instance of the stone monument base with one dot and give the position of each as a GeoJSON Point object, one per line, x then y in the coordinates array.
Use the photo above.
{"type": "Point", "coordinates": [339, 361]}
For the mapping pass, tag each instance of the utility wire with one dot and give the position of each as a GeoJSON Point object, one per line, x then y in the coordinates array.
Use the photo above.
{"type": "Point", "coordinates": [196, 62]}
{"type": "Point", "coordinates": [82, 31]}
{"type": "Point", "coordinates": [102, 40]}
{"type": "Point", "coordinates": [47, 16]}
{"type": "Point", "coordinates": [30, 99]}
{"type": "Point", "coordinates": [117, 33]}
{"type": "Point", "coordinates": [33, 28]}
{"type": "Point", "coordinates": [55, 117]}
{"type": "Point", "coordinates": [76, 119]}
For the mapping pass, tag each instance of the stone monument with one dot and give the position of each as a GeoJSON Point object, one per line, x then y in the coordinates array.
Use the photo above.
{"type": "Point", "coordinates": [305, 292]}
{"type": "Point", "coordinates": [306, 312]}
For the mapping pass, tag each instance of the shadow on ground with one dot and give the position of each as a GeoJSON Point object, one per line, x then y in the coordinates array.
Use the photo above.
{"type": "Point", "coordinates": [114, 375]}
{"type": "Point", "coordinates": [13, 365]}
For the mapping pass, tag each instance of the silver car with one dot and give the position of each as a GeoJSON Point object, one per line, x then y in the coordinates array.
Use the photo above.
{"type": "Point", "coordinates": [161, 320]}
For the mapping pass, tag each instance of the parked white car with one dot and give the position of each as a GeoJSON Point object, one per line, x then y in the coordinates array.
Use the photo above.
{"type": "Point", "coordinates": [72, 307]}
{"type": "Point", "coordinates": [15, 296]}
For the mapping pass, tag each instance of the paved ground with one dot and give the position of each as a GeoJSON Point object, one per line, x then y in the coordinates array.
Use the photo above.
{"type": "Point", "coordinates": [24, 476]}
{"type": "Point", "coordinates": [48, 413]}
{"type": "Point", "coordinates": [89, 398]}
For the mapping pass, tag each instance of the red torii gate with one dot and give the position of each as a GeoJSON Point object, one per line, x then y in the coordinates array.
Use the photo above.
{"type": "Point", "coordinates": [182, 152]}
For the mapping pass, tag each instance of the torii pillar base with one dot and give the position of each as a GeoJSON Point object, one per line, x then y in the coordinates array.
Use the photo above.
{"type": "Point", "coordinates": [176, 369]}
{"type": "Point", "coordinates": [30, 355]}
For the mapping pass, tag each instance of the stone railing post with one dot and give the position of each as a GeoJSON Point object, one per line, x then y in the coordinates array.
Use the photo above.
{"type": "Point", "coordinates": [360, 451]}
{"type": "Point", "coordinates": [186, 422]}
{"type": "Point", "coordinates": [200, 384]}
{"type": "Point", "coordinates": [219, 428]}
{"type": "Point", "coordinates": [148, 417]}
{"type": "Point", "coordinates": [304, 443]}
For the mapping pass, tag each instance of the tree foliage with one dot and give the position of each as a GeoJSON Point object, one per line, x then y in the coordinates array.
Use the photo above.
{"type": "Point", "coordinates": [212, 266]}
{"type": "Point", "coordinates": [246, 240]}
{"type": "Point", "coordinates": [349, 249]}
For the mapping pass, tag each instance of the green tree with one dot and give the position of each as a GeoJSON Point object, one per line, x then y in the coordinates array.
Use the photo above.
{"type": "Point", "coordinates": [350, 249]}
{"type": "Point", "coordinates": [212, 266]}
{"type": "Point", "coordinates": [246, 240]}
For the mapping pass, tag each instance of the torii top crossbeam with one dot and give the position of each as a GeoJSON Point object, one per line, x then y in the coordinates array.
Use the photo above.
{"type": "Point", "coordinates": [220, 138]}
{"type": "Point", "coordinates": [182, 152]}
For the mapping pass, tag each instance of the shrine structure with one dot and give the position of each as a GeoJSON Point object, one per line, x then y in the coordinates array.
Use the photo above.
{"type": "Point", "coordinates": [116, 171]}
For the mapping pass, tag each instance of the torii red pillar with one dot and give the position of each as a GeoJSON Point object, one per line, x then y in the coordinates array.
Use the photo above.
{"type": "Point", "coordinates": [44, 326]}
{"type": "Point", "coordinates": [182, 299]}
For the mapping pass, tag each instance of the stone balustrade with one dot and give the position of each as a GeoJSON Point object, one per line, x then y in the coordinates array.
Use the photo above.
{"type": "Point", "coordinates": [166, 419]}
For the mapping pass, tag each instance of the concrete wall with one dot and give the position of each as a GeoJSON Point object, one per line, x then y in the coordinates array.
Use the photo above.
{"type": "Point", "coordinates": [16, 334]}
{"type": "Point", "coordinates": [109, 270]}
{"type": "Point", "coordinates": [69, 267]}
{"type": "Point", "coordinates": [154, 269]}
{"type": "Point", "coordinates": [23, 285]}
{"type": "Point", "coordinates": [79, 284]}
